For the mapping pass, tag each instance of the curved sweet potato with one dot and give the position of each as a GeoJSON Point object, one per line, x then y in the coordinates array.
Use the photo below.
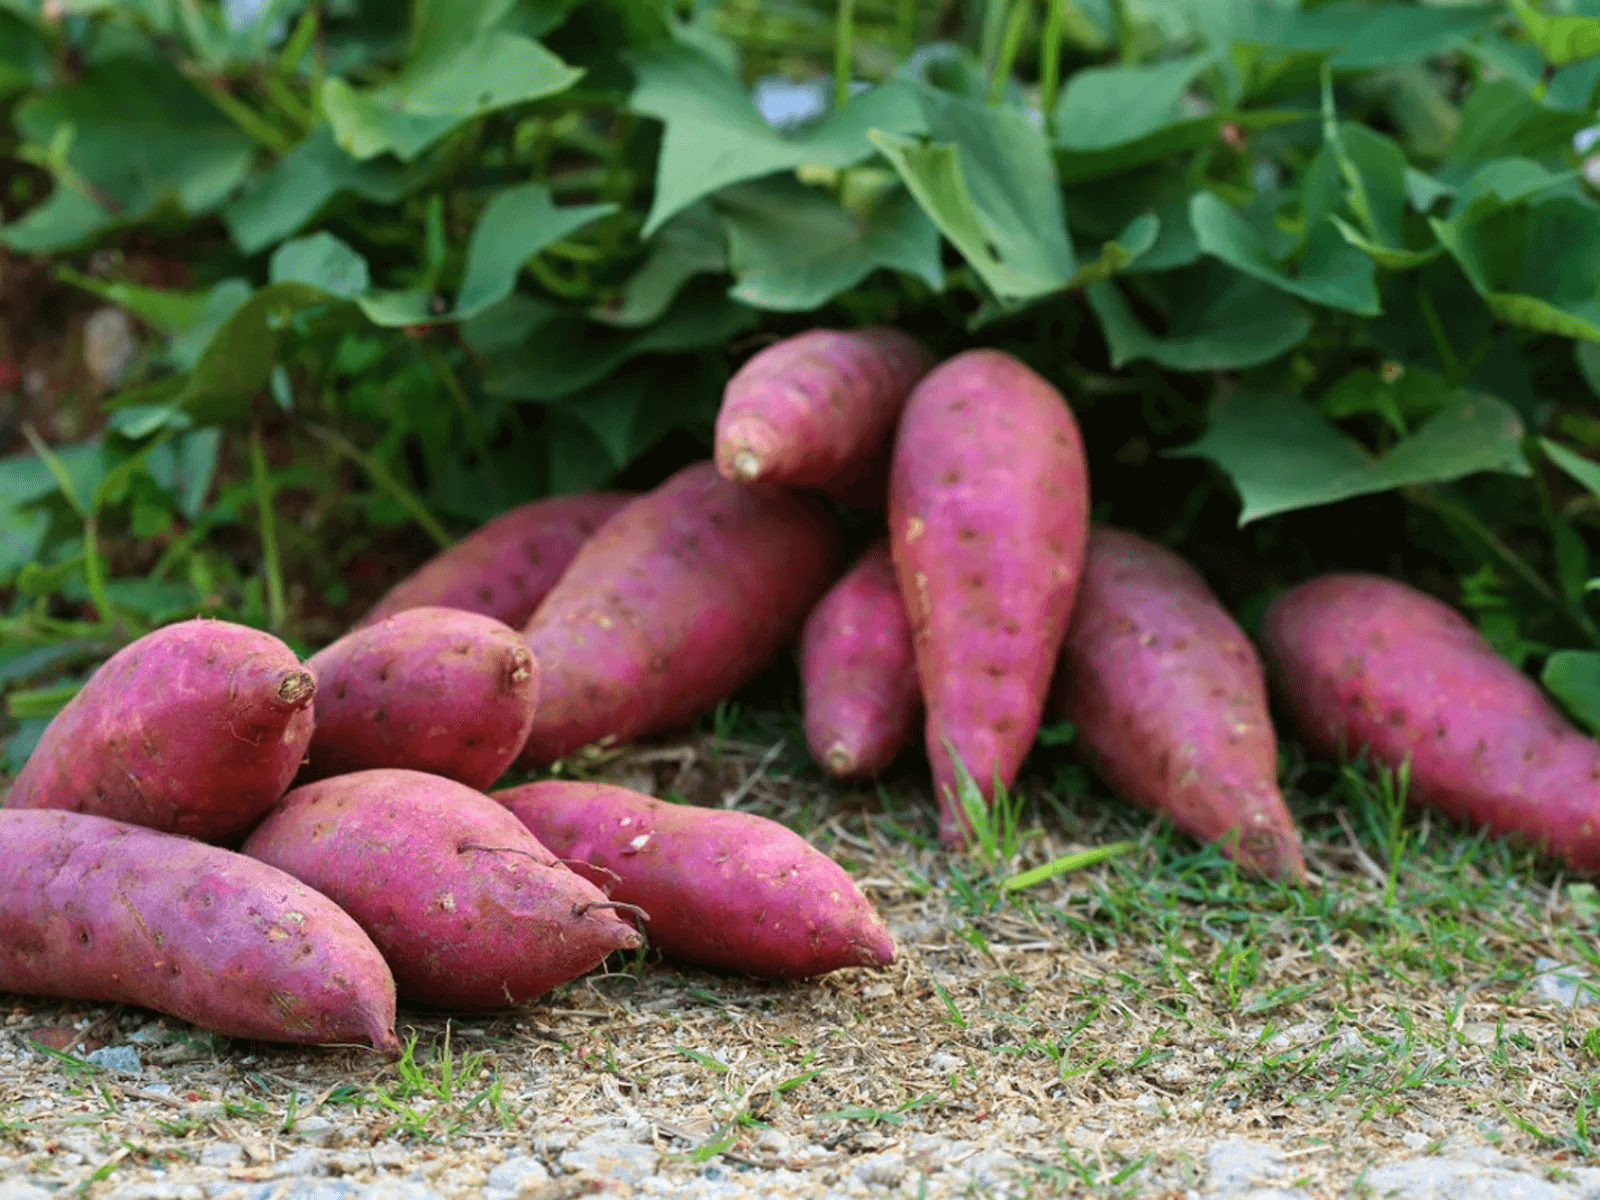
{"type": "Point", "coordinates": [988, 516]}
{"type": "Point", "coordinates": [818, 410]}
{"type": "Point", "coordinates": [1170, 703]}
{"type": "Point", "coordinates": [676, 603]}
{"type": "Point", "coordinates": [429, 689]}
{"type": "Point", "coordinates": [720, 888]}
{"type": "Point", "coordinates": [196, 728]}
{"type": "Point", "coordinates": [504, 568]}
{"type": "Point", "coordinates": [1364, 661]}
{"type": "Point", "coordinates": [469, 910]}
{"type": "Point", "coordinates": [96, 909]}
{"type": "Point", "coordinates": [859, 672]}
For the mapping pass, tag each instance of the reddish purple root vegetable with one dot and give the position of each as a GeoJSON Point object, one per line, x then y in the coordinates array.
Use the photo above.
{"type": "Point", "coordinates": [429, 689]}
{"type": "Point", "coordinates": [988, 515]}
{"type": "Point", "coordinates": [95, 909]}
{"type": "Point", "coordinates": [859, 671]}
{"type": "Point", "coordinates": [504, 568]}
{"type": "Point", "coordinates": [196, 729]}
{"type": "Point", "coordinates": [721, 888]}
{"type": "Point", "coordinates": [1361, 661]}
{"type": "Point", "coordinates": [675, 604]}
{"type": "Point", "coordinates": [1170, 704]}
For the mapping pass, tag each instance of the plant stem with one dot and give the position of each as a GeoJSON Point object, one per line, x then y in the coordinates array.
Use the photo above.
{"type": "Point", "coordinates": [277, 607]}
{"type": "Point", "coordinates": [905, 31]}
{"type": "Point", "coordinates": [1055, 28]}
{"type": "Point", "coordinates": [1122, 30]}
{"type": "Point", "coordinates": [94, 575]}
{"type": "Point", "coordinates": [843, 52]}
{"type": "Point", "coordinates": [380, 476]}
{"type": "Point", "coordinates": [1448, 361]}
{"type": "Point", "coordinates": [1016, 25]}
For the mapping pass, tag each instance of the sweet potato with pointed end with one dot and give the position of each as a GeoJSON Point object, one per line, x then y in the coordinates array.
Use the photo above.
{"type": "Point", "coordinates": [1170, 703]}
{"type": "Point", "coordinates": [196, 729]}
{"type": "Point", "coordinates": [96, 909]}
{"type": "Point", "coordinates": [720, 888]}
{"type": "Point", "coordinates": [818, 410]}
{"type": "Point", "coordinates": [429, 689]}
{"type": "Point", "coordinates": [470, 911]}
{"type": "Point", "coordinates": [859, 672]}
{"type": "Point", "coordinates": [988, 516]}
{"type": "Point", "coordinates": [504, 568]}
{"type": "Point", "coordinates": [1361, 661]}
{"type": "Point", "coordinates": [676, 603]}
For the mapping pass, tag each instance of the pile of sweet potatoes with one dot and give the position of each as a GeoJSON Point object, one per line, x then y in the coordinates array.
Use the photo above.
{"type": "Point", "coordinates": [284, 849]}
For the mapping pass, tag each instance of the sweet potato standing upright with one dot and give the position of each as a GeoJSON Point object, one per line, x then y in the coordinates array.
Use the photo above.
{"type": "Point", "coordinates": [675, 603]}
{"type": "Point", "coordinates": [859, 672]}
{"type": "Point", "coordinates": [1170, 703]}
{"type": "Point", "coordinates": [988, 518]}
{"type": "Point", "coordinates": [1361, 661]}
{"type": "Point", "coordinates": [196, 728]}
{"type": "Point", "coordinates": [818, 410]}
{"type": "Point", "coordinates": [504, 568]}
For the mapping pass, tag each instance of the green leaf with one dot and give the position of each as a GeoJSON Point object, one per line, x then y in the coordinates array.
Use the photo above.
{"type": "Point", "coordinates": [690, 244]}
{"type": "Point", "coordinates": [1282, 455]}
{"type": "Point", "coordinates": [1230, 323]}
{"type": "Point", "coordinates": [714, 136]}
{"type": "Point", "coordinates": [221, 302]}
{"type": "Point", "coordinates": [1585, 471]}
{"type": "Point", "coordinates": [1362, 37]}
{"type": "Point", "coordinates": [322, 261]}
{"type": "Point", "coordinates": [239, 358]}
{"type": "Point", "coordinates": [1104, 107]}
{"type": "Point", "coordinates": [1499, 120]}
{"type": "Point", "coordinates": [1115, 255]}
{"type": "Point", "coordinates": [1562, 39]}
{"type": "Point", "coordinates": [1573, 678]}
{"type": "Point", "coordinates": [793, 248]}
{"type": "Point", "coordinates": [1374, 171]}
{"type": "Point", "coordinates": [22, 532]}
{"type": "Point", "coordinates": [166, 311]}
{"type": "Point", "coordinates": [1331, 274]}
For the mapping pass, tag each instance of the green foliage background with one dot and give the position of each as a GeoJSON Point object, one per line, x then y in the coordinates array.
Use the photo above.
{"type": "Point", "coordinates": [1321, 280]}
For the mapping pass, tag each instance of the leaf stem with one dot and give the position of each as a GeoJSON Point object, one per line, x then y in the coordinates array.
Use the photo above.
{"type": "Point", "coordinates": [1055, 25]}
{"type": "Point", "coordinates": [1016, 25]}
{"type": "Point", "coordinates": [381, 478]}
{"type": "Point", "coordinates": [843, 52]}
{"type": "Point", "coordinates": [277, 607]}
{"type": "Point", "coordinates": [1441, 340]}
{"type": "Point", "coordinates": [94, 575]}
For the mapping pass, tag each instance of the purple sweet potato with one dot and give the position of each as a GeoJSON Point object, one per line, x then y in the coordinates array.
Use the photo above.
{"type": "Point", "coordinates": [96, 909]}
{"type": "Point", "coordinates": [720, 888]}
{"type": "Point", "coordinates": [504, 568]}
{"type": "Point", "coordinates": [818, 410]}
{"type": "Point", "coordinates": [1361, 661]}
{"type": "Point", "coordinates": [988, 516]}
{"type": "Point", "coordinates": [429, 689]}
{"type": "Point", "coordinates": [676, 603]}
{"type": "Point", "coordinates": [859, 672]}
{"type": "Point", "coordinates": [1170, 704]}
{"type": "Point", "coordinates": [196, 729]}
{"type": "Point", "coordinates": [469, 909]}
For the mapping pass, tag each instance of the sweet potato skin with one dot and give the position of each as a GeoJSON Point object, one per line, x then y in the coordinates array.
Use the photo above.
{"type": "Point", "coordinates": [1169, 701]}
{"type": "Point", "coordinates": [504, 568]}
{"type": "Point", "coordinates": [721, 888]}
{"type": "Point", "coordinates": [818, 410]}
{"type": "Point", "coordinates": [429, 689]}
{"type": "Point", "coordinates": [858, 671]}
{"type": "Point", "coordinates": [676, 603]}
{"type": "Point", "coordinates": [1366, 661]}
{"type": "Point", "coordinates": [196, 728]}
{"type": "Point", "coordinates": [469, 909]}
{"type": "Point", "coordinates": [96, 909]}
{"type": "Point", "coordinates": [989, 517]}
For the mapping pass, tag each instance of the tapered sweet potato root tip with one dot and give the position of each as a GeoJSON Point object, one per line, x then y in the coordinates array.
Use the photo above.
{"type": "Point", "coordinates": [297, 688]}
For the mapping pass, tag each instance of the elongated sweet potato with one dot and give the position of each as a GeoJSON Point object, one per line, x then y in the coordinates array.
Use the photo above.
{"type": "Point", "coordinates": [988, 516]}
{"type": "Point", "coordinates": [859, 671]}
{"type": "Point", "coordinates": [676, 603]}
{"type": "Point", "coordinates": [429, 689]}
{"type": "Point", "coordinates": [1365, 661]}
{"type": "Point", "coordinates": [1170, 703]}
{"type": "Point", "coordinates": [505, 567]}
{"type": "Point", "coordinates": [469, 909]}
{"type": "Point", "coordinates": [196, 729]}
{"type": "Point", "coordinates": [818, 410]}
{"type": "Point", "coordinates": [96, 909]}
{"type": "Point", "coordinates": [721, 888]}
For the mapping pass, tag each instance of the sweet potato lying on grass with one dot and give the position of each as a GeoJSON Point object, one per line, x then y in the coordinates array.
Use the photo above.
{"type": "Point", "coordinates": [196, 728]}
{"type": "Point", "coordinates": [505, 567]}
{"type": "Point", "coordinates": [721, 888]}
{"type": "Point", "coordinates": [95, 909]}
{"type": "Point", "coordinates": [1170, 704]}
{"type": "Point", "coordinates": [1361, 661]}
{"type": "Point", "coordinates": [429, 689]}
{"type": "Point", "coordinates": [676, 603]}
{"type": "Point", "coordinates": [859, 671]}
{"type": "Point", "coordinates": [469, 910]}
{"type": "Point", "coordinates": [818, 410]}
{"type": "Point", "coordinates": [988, 516]}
